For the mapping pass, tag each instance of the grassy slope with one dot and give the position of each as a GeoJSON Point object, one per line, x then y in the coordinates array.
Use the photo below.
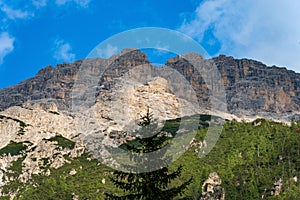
{"type": "Point", "coordinates": [245, 157]}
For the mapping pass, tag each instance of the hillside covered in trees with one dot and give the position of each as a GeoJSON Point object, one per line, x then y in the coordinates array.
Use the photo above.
{"type": "Point", "coordinates": [257, 160]}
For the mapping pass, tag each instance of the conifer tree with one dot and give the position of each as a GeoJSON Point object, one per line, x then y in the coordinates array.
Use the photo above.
{"type": "Point", "coordinates": [148, 185]}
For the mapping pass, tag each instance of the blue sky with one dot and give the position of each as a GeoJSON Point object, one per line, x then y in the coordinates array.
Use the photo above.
{"type": "Point", "coordinates": [37, 33]}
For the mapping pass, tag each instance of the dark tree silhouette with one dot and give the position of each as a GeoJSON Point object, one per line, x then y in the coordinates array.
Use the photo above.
{"type": "Point", "coordinates": [148, 185]}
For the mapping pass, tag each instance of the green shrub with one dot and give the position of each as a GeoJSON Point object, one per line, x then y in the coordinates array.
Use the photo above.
{"type": "Point", "coordinates": [63, 142]}
{"type": "Point", "coordinates": [13, 148]}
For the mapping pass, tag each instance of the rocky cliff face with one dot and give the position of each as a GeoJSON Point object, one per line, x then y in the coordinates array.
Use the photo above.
{"type": "Point", "coordinates": [41, 136]}
{"type": "Point", "coordinates": [51, 83]}
{"type": "Point", "coordinates": [55, 84]}
{"type": "Point", "coordinates": [39, 126]}
{"type": "Point", "coordinates": [252, 88]}
{"type": "Point", "coordinates": [251, 85]}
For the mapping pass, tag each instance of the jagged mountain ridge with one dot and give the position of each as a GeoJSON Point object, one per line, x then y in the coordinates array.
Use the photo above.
{"type": "Point", "coordinates": [251, 87]}
{"type": "Point", "coordinates": [41, 135]}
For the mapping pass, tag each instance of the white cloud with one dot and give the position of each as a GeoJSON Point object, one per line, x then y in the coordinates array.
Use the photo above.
{"type": "Point", "coordinates": [82, 3]}
{"type": "Point", "coordinates": [61, 2]}
{"type": "Point", "coordinates": [62, 51]}
{"type": "Point", "coordinates": [11, 13]}
{"type": "Point", "coordinates": [15, 13]}
{"type": "Point", "coordinates": [6, 45]}
{"type": "Point", "coordinates": [264, 30]}
{"type": "Point", "coordinates": [39, 3]}
{"type": "Point", "coordinates": [107, 52]}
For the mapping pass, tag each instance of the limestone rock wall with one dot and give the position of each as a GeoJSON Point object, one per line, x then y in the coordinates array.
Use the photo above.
{"type": "Point", "coordinates": [251, 87]}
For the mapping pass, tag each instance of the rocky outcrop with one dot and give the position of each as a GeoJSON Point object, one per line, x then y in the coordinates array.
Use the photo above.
{"type": "Point", "coordinates": [277, 187]}
{"type": "Point", "coordinates": [8, 131]}
{"type": "Point", "coordinates": [55, 84]}
{"type": "Point", "coordinates": [252, 88]}
{"type": "Point", "coordinates": [51, 83]}
{"type": "Point", "coordinates": [251, 85]}
{"type": "Point", "coordinates": [111, 123]}
{"type": "Point", "coordinates": [211, 188]}
{"type": "Point", "coordinates": [38, 127]}
{"type": "Point", "coordinates": [102, 125]}
{"type": "Point", "coordinates": [37, 160]}
{"type": "Point", "coordinates": [5, 164]}
{"type": "Point", "coordinates": [41, 124]}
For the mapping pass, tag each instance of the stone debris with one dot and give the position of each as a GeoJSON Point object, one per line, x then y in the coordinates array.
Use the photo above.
{"type": "Point", "coordinates": [73, 172]}
{"type": "Point", "coordinates": [46, 153]}
{"type": "Point", "coordinates": [5, 163]}
{"type": "Point", "coordinates": [211, 188]}
{"type": "Point", "coordinates": [75, 197]}
{"type": "Point", "coordinates": [277, 187]}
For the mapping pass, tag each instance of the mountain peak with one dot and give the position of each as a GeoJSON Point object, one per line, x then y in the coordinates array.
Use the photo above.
{"type": "Point", "coordinates": [252, 88]}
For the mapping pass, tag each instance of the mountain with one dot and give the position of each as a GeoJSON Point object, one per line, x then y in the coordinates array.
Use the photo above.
{"type": "Point", "coordinates": [58, 125]}
{"type": "Point", "coordinates": [252, 89]}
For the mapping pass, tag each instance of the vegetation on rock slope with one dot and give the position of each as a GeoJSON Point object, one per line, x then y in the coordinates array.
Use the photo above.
{"type": "Point", "coordinates": [248, 158]}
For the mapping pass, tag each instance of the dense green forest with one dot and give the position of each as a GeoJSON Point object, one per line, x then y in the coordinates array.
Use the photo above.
{"type": "Point", "coordinates": [248, 157]}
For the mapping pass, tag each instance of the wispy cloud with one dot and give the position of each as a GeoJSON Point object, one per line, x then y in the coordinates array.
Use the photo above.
{"type": "Point", "coordinates": [82, 3]}
{"type": "Point", "coordinates": [39, 3]}
{"type": "Point", "coordinates": [15, 13]}
{"type": "Point", "coordinates": [43, 3]}
{"type": "Point", "coordinates": [62, 51]}
{"type": "Point", "coordinates": [61, 2]}
{"type": "Point", "coordinates": [265, 30]}
{"type": "Point", "coordinates": [106, 52]}
{"type": "Point", "coordinates": [6, 45]}
{"type": "Point", "coordinates": [11, 11]}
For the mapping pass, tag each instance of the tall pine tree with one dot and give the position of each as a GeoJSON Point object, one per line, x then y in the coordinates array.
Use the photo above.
{"type": "Point", "coordinates": [148, 185]}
